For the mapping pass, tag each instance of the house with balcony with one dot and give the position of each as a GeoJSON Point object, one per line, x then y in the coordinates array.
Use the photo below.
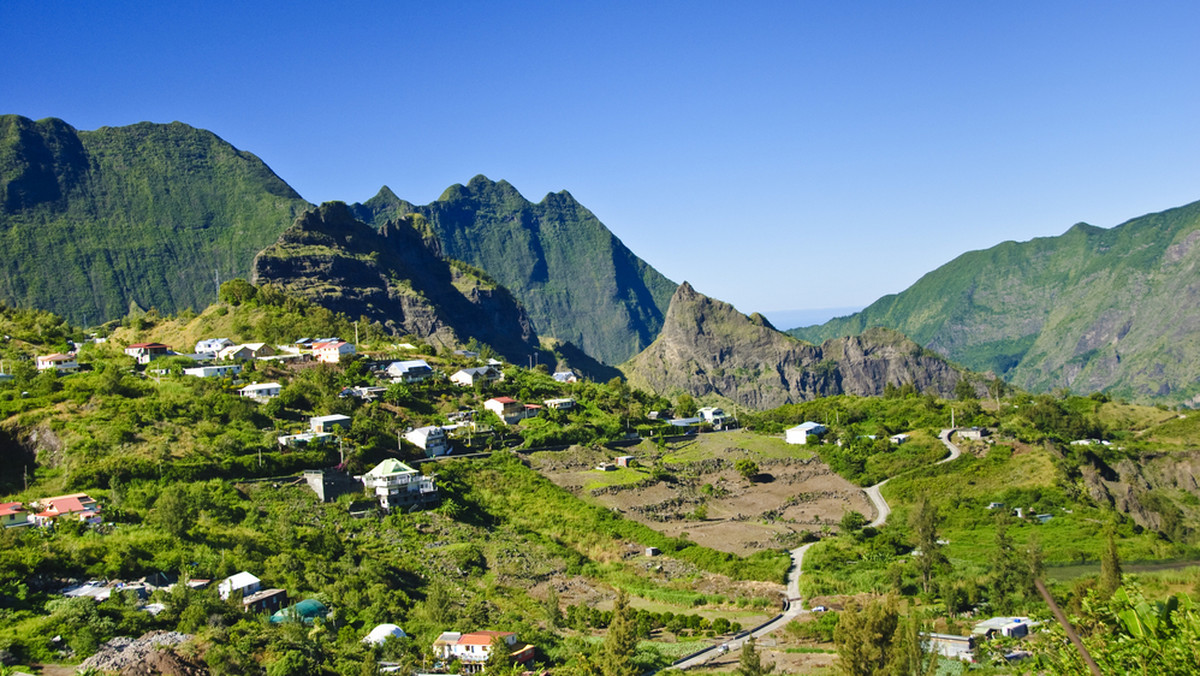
{"type": "Point", "coordinates": [61, 363]}
{"type": "Point", "coordinates": [398, 486]}
{"type": "Point", "coordinates": [510, 410]}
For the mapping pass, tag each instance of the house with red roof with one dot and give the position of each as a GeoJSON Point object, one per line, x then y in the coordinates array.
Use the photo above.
{"type": "Point", "coordinates": [13, 515]}
{"type": "Point", "coordinates": [144, 352]}
{"type": "Point", "coordinates": [332, 352]}
{"type": "Point", "coordinates": [473, 649]}
{"type": "Point", "coordinates": [510, 410]}
{"type": "Point", "coordinates": [75, 505]}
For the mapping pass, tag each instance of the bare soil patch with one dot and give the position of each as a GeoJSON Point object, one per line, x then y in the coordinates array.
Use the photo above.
{"type": "Point", "coordinates": [693, 489]}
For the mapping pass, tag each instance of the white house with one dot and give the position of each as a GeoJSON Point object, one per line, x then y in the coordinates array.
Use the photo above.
{"type": "Point", "coordinates": [218, 371]}
{"type": "Point", "coordinates": [566, 377]}
{"type": "Point", "coordinates": [395, 484]}
{"type": "Point", "coordinates": [713, 416]}
{"type": "Point", "coordinates": [800, 433]}
{"type": "Point", "coordinates": [431, 439]}
{"type": "Point", "coordinates": [898, 438]}
{"type": "Point", "coordinates": [411, 371]}
{"type": "Point", "coordinates": [328, 423]}
{"type": "Point", "coordinates": [473, 649]}
{"type": "Point", "coordinates": [242, 583]}
{"type": "Point", "coordinates": [261, 391]}
{"type": "Point", "coordinates": [61, 363]}
{"type": "Point", "coordinates": [212, 345]}
{"type": "Point", "coordinates": [562, 404]}
{"type": "Point", "coordinates": [332, 352]}
{"type": "Point", "coordinates": [480, 374]}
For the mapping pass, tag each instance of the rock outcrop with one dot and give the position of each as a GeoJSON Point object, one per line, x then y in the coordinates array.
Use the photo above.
{"type": "Point", "coordinates": [707, 347]}
{"type": "Point", "coordinates": [396, 276]}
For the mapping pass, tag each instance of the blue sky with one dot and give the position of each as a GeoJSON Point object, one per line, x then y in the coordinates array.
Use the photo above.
{"type": "Point", "coordinates": [776, 155]}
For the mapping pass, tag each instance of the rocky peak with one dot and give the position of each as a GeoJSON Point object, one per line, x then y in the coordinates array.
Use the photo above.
{"type": "Point", "coordinates": [707, 347]}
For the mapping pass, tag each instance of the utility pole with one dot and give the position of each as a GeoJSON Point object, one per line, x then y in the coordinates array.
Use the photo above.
{"type": "Point", "coordinates": [356, 333]}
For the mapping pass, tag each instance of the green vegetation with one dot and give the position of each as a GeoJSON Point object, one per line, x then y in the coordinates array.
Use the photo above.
{"type": "Point", "coordinates": [1092, 309]}
{"type": "Point", "coordinates": [95, 223]}
{"type": "Point", "coordinates": [576, 280]}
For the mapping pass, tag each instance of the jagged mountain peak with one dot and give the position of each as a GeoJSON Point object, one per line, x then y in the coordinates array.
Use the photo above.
{"type": "Point", "coordinates": [708, 348]}
{"type": "Point", "coordinates": [578, 281]}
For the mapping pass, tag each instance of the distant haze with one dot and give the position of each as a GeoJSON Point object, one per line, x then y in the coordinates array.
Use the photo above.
{"type": "Point", "coordinates": [790, 319]}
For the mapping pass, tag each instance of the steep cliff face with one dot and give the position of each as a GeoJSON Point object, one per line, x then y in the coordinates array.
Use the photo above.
{"type": "Point", "coordinates": [1159, 491]}
{"type": "Point", "coordinates": [92, 222]}
{"type": "Point", "coordinates": [707, 347]}
{"type": "Point", "coordinates": [396, 276]}
{"type": "Point", "coordinates": [578, 281]}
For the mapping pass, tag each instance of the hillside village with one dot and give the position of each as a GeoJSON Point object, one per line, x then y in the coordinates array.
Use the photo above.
{"type": "Point", "coordinates": [455, 463]}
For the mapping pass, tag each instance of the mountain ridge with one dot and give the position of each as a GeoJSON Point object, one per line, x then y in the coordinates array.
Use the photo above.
{"type": "Point", "coordinates": [96, 222]}
{"type": "Point", "coordinates": [1093, 309]}
{"type": "Point", "coordinates": [577, 280]}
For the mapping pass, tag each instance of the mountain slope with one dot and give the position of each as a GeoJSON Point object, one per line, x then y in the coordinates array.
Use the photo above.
{"type": "Point", "coordinates": [92, 222]}
{"type": "Point", "coordinates": [395, 276]}
{"type": "Point", "coordinates": [1092, 309]}
{"type": "Point", "coordinates": [578, 282]}
{"type": "Point", "coordinates": [707, 347]}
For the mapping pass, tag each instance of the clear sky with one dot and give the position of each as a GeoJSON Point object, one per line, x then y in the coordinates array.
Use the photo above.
{"type": "Point", "coordinates": [776, 155]}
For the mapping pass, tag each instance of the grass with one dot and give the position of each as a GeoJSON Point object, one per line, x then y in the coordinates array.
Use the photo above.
{"type": "Point", "coordinates": [715, 445]}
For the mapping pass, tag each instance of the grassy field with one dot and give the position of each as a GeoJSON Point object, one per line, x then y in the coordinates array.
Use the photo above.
{"type": "Point", "coordinates": [716, 445]}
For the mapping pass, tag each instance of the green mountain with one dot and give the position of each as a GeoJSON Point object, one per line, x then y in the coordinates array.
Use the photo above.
{"type": "Point", "coordinates": [578, 282]}
{"type": "Point", "coordinates": [1116, 310]}
{"type": "Point", "coordinates": [395, 275]}
{"type": "Point", "coordinates": [707, 347]}
{"type": "Point", "coordinates": [95, 222]}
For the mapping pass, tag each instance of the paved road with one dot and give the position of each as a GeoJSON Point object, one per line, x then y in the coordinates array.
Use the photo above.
{"type": "Point", "coordinates": [795, 606]}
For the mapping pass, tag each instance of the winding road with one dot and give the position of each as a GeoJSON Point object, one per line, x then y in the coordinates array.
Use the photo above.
{"type": "Point", "coordinates": [794, 606]}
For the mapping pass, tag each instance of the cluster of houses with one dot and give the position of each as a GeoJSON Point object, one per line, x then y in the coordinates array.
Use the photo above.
{"type": "Point", "coordinates": [45, 511]}
{"type": "Point", "coordinates": [329, 350]}
{"type": "Point", "coordinates": [963, 647]}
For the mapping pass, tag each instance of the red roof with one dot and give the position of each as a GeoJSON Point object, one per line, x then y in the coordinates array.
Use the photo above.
{"type": "Point", "coordinates": [57, 356]}
{"type": "Point", "coordinates": [505, 400]}
{"type": "Point", "coordinates": [482, 637]}
{"type": "Point", "coordinates": [8, 508]}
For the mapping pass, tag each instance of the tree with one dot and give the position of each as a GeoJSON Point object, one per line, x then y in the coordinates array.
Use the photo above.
{"type": "Point", "coordinates": [963, 390]}
{"type": "Point", "coordinates": [553, 612]}
{"type": "Point", "coordinates": [499, 656]}
{"type": "Point", "coordinates": [876, 641]}
{"type": "Point", "coordinates": [685, 406]}
{"type": "Point", "coordinates": [747, 468]}
{"type": "Point", "coordinates": [924, 521]}
{"type": "Point", "coordinates": [1110, 563]}
{"type": "Point", "coordinates": [852, 521]}
{"type": "Point", "coordinates": [620, 643]}
{"type": "Point", "coordinates": [1011, 572]}
{"type": "Point", "coordinates": [237, 291]}
{"type": "Point", "coordinates": [750, 662]}
{"type": "Point", "coordinates": [864, 637]}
